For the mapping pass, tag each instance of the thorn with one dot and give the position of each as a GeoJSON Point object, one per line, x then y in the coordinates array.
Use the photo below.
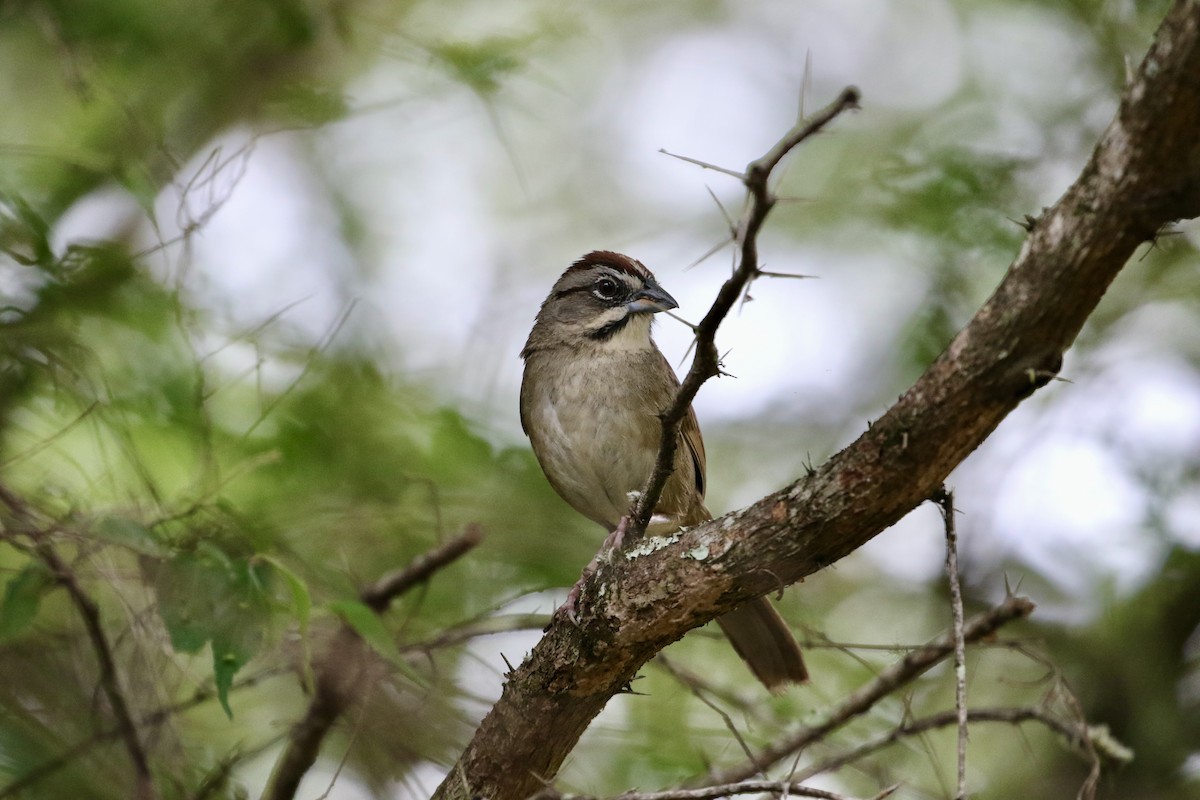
{"type": "Point", "coordinates": [798, 275]}
{"type": "Point", "coordinates": [704, 164]}
{"type": "Point", "coordinates": [805, 84]}
{"type": "Point", "coordinates": [677, 318]}
{"type": "Point", "coordinates": [712, 251]}
{"type": "Point", "coordinates": [1026, 223]}
{"type": "Point", "coordinates": [728, 219]}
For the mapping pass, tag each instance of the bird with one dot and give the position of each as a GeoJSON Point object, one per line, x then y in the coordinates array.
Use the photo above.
{"type": "Point", "coordinates": [593, 390]}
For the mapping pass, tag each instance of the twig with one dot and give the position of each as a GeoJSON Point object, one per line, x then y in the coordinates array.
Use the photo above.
{"type": "Point", "coordinates": [700, 688]}
{"type": "Point", "coordinates": [347, 666]}
{"type": "Point", "coordinates": [705, 364]}
{"type": "Point", "coordinates": [945, 499]}
{"type": "Point", "coordinates": [908, 669]}
{"type": "Point", "coordinates": [1074, 734]}
{"type": "Point", "coordinates": [89, 612]}
{"type": "Point", "coordinates": [713, 792]}
{"type": "Point", "coordinates": [698, 685]}
{"type": "Point", "coordinates": [380, 594]}
{"type": "Point", "coordinates": [487, 626]}
{"type": "Point", "coordinates": [150, 720]}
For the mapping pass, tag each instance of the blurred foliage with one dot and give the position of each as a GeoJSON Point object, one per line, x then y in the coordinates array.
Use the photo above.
{"type": "Point", "coordinates": [223, 491]}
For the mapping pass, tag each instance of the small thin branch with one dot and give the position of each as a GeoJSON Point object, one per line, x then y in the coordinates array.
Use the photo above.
{"type": "Point", "coordinates": [151, 720]}
{"type": "Point", "coordinates": [1073, 734]}
{"type": "Point", "coordinates": [348, 666]}
{"type": "Point", "coordinates": [706, 362]}
{"type": "Point", "coordinates": [486, 626]}
{"type": "Point", "coordinates": [784, 788]}
{"type": "Point", "coordinates": [945, 499]}
{"type": "Point", "coordinates": [89, 612]}
{"type": "Point", "coordinates": [698, 685]}
{"type": "Point", "coordinates": [380, 594]}
{"type": "Point", "coordinates": [701, 688]}
{"type": "Point", "coordinates": [904, 671]}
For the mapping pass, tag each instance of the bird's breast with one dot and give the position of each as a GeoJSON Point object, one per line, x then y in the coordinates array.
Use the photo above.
{"type": "Point", "coordinates": [589, 424]}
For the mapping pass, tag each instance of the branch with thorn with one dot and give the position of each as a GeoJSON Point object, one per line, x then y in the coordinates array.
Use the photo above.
{"type": "Point", "coordinates": [706, 363]}
{"type": "Point", "coordinates": [945, 500]}
{"type": "Point", "coordinates": [912, 666]}
{"type": "Point", "coordinates": [778, 788]}
{"type": "Point", "coordinates": [1143, 173]}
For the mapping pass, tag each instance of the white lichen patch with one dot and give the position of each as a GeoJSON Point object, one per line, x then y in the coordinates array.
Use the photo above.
{"type": "Point", "coordinates": [651, 544]}
{"type": "Point", "coordinates": [697, 553]}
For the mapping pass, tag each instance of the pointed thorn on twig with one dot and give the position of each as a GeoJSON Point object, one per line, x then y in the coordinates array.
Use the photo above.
{"type": "Point", "coordinates": [728, 219]}
{"type": "Point", "coordinates": [704, 164]}
{"type": "Point", "coordinates": [797, 275]}
{"type": "Point", "coordinates": [709, 253]}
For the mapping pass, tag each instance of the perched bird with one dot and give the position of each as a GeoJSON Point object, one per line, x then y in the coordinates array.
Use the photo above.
{"type": "Point", "coordinates": [594, 387]}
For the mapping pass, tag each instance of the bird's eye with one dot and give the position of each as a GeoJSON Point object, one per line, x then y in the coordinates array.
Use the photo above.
{"type": "Point", "coordinates": [607, 289]}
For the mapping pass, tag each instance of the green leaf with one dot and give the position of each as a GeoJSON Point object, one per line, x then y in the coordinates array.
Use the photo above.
{"type": "Point", "coordinates": [22, 597]}
{"type": "Point", "coordinates": [129, 533]}
{"type": "Point", "coordinates": [367, 624]}
{"type": "Point", "coordinates": [310, 105]}
{"type": "Point", "coordinates": [481, 65]}
{"type": "Point", "coordinates": [205, 596]}
{"type": "Point", "coordinates": [301, 606]}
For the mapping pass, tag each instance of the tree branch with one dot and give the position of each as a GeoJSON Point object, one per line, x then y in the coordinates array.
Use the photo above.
{"type": "Point", "coordinates": [945, 498]}
{"type": "Point", "coordinates": [784, 788]}
{"type": "Point", "coordinates": [705, 364]}
{"type": "Point", "coordinates": [1073, 735]}
{"type": "Point", "coordinates": [89, 613]}
{"type": "Point", "coordinates": [152, 719]}
{"type": "Point", "coordinates": [349, 663]}
{"type": "Point", "coordinates": [905, 671]}
{"type": "Point", "coordinates": [1143, 174]}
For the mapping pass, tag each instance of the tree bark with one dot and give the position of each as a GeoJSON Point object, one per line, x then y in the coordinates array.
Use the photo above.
{"type": "Point", "coordinates": [1143, 174]}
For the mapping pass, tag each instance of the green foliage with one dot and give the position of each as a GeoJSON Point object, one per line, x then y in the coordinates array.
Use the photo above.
{"type": "Point", "coordinates": [482, 65]}
{"type": "Point", "coordinates": [206, 597]}
{"type": "Point", "coordinates": [22, 596]}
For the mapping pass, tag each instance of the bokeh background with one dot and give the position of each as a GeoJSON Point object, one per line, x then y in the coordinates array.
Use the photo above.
{"type": "Point", "coordinates": [267, 268]}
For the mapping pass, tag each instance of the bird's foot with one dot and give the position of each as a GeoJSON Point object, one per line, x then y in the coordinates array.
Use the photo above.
{"type": "Point", "coordinates": [569, 610]}
{"type": "Point", "coordinates": [613, 543]}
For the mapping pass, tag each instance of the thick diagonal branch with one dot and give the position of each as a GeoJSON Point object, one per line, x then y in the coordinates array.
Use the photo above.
{"type": "Point", "coordinates": [1143, 174]}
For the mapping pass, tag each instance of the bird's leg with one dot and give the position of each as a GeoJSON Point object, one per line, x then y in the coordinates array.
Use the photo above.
{"type": "Point", "coordinates": [615, 540]}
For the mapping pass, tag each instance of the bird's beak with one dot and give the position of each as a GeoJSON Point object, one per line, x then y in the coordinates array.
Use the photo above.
{"type": "Point", "coordinates": [652, 298]}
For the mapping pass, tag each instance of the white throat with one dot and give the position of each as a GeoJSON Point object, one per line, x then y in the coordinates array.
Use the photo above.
{"type": "Point", "coordinates": [634, 336]}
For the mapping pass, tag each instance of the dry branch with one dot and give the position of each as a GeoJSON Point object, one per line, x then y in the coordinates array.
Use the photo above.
{"type": "Point", "coordinates": [945, 499]}
{"type": "Point", "coordinates": [89, 612]}
{"type": "Point", "coordinates": [1074, 735]}
{"type": "Point", "coordinates": [1143, 174]}
{"type": "Point", "coordinates": [348, 665]}
{"type": "Point", "coordinates": [706, 363]}
{"type": "Point", "coordinates": [782, 788]}
{"type": "Point", "coordinates": [905, 671]}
